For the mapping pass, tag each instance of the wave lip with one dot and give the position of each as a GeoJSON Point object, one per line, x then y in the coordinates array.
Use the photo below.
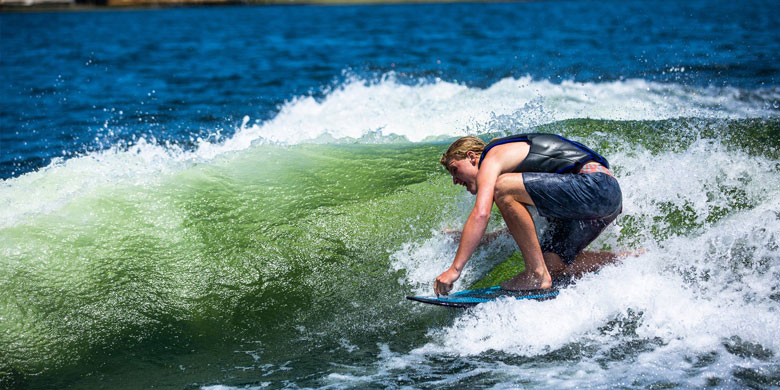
{"type": "Point", "coordinates": [53, 186]}
{"type": "Point", "coordinates": [388, 110]}
{"type": "Point", "coordinates": [431, 109]}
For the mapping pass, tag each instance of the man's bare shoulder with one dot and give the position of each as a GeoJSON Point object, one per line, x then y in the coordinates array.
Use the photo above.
{"type": "Point", "coordinates": [507, 156]}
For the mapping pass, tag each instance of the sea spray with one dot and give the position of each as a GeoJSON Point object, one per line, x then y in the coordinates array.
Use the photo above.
{"type": "Point", "coordinates": [698, 308]}
{"type": "Point", "coordinates": [440, 107]}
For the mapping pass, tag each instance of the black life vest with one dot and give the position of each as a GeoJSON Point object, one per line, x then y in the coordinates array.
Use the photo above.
{"type": "Point", "coordinates": [549, 153]}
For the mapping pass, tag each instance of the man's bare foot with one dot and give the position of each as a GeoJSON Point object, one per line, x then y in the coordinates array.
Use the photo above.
{"type": "Point", "coordinates": [528, 280]}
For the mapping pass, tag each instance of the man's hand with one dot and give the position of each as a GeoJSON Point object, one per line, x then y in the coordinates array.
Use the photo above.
{"type": "Point", "coordinates": [454, 234]}
{"type": "Point", "coordinates": [443, 283]}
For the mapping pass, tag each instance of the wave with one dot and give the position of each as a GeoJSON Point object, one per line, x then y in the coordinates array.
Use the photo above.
{"type": "Point", "coordinates": [381, 111]}
{"type": "Point", "coordinates": [271, 230]}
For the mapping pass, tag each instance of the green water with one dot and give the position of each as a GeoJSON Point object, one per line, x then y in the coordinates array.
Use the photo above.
{"type": "Point", "coordinates": [248, 245]}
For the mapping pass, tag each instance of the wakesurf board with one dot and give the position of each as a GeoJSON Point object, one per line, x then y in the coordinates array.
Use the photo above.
{"type": "Point", "coordinates": [470, 298]}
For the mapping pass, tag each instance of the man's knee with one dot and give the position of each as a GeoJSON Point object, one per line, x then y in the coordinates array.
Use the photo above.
{"type": "Point", "coordinates": [508, 189]}
{"type": "Point", "coordinates": [554, 263]}
{"type": "Point", "coordinates": [502, 193]}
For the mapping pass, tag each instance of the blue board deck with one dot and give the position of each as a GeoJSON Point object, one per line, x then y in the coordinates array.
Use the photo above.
{"type": "Point", "coordinates": [469, 298]}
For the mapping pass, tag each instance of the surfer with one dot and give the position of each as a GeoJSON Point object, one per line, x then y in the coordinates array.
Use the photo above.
{"type": "Point", "coordinates": [567, 182]}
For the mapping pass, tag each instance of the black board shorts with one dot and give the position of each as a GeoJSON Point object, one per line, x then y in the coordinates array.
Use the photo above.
{"type": "Point", "coordinates": [578, 206]}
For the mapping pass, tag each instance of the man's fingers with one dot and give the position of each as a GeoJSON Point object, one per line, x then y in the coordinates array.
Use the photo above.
{"type": "Point", "coordinates": [441, 288]}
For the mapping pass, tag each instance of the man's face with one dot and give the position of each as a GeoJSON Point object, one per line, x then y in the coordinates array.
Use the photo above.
{"type": "Point", "coordinates": [464, 172]}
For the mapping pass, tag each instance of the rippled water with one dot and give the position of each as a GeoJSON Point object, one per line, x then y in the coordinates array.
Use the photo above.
{"type": "Point", "coordinates": [242, 197]}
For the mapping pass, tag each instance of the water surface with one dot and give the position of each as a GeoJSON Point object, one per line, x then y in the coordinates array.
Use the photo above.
{"type": "Point", "coordinates": [242, 197]}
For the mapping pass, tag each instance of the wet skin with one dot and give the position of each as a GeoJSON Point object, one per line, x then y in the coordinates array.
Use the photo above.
{"type": "Point", "coordinates": [495, 182]}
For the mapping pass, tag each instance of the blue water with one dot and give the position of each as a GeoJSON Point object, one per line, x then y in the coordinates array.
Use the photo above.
{"type": "Point", "coordinates": [79, 81]}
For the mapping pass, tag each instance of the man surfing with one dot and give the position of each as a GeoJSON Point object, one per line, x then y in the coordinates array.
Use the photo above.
{"type": "Point", "coordinates": [567, 182]}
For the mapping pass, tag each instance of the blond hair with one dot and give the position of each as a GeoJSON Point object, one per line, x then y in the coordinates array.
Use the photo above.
{"type": "Point", "coordinates": [459, 148]}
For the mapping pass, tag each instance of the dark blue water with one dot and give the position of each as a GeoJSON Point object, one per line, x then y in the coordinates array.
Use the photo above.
{"type": "Point", "coordinates": [80, 81]}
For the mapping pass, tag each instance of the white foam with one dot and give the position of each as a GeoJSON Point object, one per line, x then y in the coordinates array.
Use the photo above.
{"type": "Point", "coordinates": [423, 262]}
{"type": "Point", "coordinates": [446, 108]}
{"type": "Point", "coordinates": [50, 188]}
{"type": "Point", "coordinates": [690, 292]}
{"type": "Point", "coordinates": [386, 106]}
